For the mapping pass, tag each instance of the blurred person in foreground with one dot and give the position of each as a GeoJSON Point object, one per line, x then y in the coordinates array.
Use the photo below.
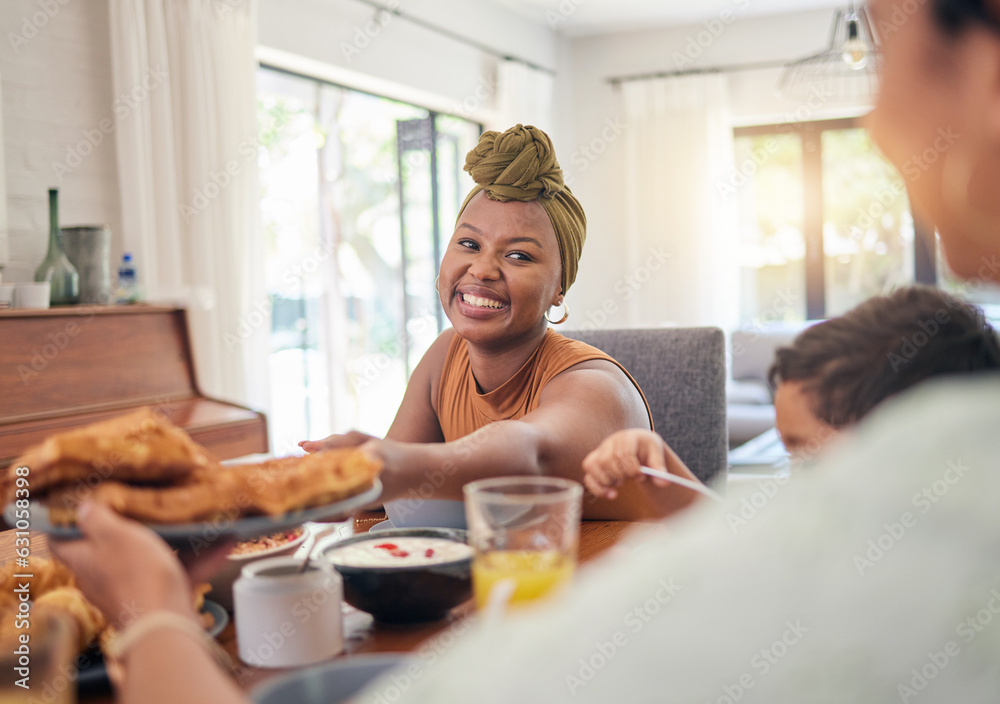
{"type": "Point", "coordinates": [833, 375]}
{"type": "Point", "coordinates": [875, 578]}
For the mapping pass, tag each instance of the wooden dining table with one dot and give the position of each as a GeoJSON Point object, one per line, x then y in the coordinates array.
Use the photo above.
{"type": "Point", "coordinates": [362, 634]}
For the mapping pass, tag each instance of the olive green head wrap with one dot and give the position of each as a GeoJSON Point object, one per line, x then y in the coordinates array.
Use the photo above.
{"type": "Point", "coordinates": [520, 164]}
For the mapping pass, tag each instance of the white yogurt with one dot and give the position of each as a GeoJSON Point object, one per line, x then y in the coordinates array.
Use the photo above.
{"type": "Point", "coordinates": [406, 551]}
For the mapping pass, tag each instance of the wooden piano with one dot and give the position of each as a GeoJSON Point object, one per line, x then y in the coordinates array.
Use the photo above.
{"type": "Point", "coordinates": [71, 366]}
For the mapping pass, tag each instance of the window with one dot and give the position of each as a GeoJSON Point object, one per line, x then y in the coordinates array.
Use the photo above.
{"type": "Point", "coordinates": [824, 222]}
{"type": "Point", "coordinates": [358, 193]}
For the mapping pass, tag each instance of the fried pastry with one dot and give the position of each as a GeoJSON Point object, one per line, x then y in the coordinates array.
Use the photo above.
{"type": "Point", "coordinates": [206, 496]}
{"type": "Point", "coordinates": [292, 483]}
{"type": "Point", "coordinates": [139, 447]}
{"type": "Point", "coordinates": [70, 600]}
{"type": "Point", "coordinates": [274, 487]}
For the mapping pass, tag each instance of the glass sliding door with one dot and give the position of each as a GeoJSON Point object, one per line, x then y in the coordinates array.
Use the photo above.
{"type": "Point", "coordinates": [354, 228]}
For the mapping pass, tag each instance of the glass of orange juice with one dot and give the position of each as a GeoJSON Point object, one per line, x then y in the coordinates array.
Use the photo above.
{"type": "Point", "coordinates": [525, 530]}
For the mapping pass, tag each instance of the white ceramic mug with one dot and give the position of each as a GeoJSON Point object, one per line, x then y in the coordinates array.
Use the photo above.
{"type": "Point", "coordinates": [32, 294]}
{"type": "Point", "coordinates": [285, 618]}
{"type": "Point", "coordinates": [6, 296]}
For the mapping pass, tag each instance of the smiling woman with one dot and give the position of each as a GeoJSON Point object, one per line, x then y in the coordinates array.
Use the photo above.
{"type": "Point", "coordinates": [499, 393]}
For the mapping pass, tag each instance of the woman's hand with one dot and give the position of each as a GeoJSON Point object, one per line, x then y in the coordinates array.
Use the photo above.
{"type": "Point", "coordinates": [621, 456]}
{"type": "Point", "coordinates": [351, 439]}
{"type": "Point", "coordinates": [388, 452]}
{"type": "Point", "coordinates": [124, 568]}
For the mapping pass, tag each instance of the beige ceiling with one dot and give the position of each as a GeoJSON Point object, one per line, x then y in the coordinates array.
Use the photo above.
{"type": "Point", "coordinates": [581, 17]}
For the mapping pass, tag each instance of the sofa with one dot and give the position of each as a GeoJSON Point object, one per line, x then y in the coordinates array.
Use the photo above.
{"type": "Point", "coordinates": [749, 399]}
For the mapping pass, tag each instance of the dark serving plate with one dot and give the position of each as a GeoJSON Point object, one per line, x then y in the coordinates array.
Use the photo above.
{"type": "Point", "coordinates": [193, 537]}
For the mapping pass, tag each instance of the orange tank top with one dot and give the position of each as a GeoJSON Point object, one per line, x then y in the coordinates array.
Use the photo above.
{"type": "Point", "coordinates": [462, 410]}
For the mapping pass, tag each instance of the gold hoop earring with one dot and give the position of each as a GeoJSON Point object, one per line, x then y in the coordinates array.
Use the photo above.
{"type": "Point", "coordinates": [562, 319]}
{"type": "Point", "coordinates": [436, 279]}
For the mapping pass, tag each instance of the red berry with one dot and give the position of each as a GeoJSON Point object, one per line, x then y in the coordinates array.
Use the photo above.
{"type": "Point", "coordinates": [398, 553]}
{"type": "Point", "coordinates": [387, 546]}
{"type": "Point", "coordinates": [429, 553]}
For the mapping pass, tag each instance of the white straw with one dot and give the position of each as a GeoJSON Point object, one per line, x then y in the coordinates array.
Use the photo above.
{"type": "Point", "coordinates": [498, 599]}
{"type": "Point", "coordinates": [696, 486]}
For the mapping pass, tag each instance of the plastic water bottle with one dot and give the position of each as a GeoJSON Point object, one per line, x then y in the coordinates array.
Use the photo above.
{"type": "Point", "coordinates": [128, 283]}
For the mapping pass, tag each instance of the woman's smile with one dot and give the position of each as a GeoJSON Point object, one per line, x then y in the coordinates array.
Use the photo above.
{"type": "Point", "coordinates": [501, 271]}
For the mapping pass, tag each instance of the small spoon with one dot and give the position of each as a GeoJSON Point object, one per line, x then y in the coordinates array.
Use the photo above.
{"type": "Point", "coordinates": [315, 533]}
{"type": "Point", "coordinates": [695, 486]}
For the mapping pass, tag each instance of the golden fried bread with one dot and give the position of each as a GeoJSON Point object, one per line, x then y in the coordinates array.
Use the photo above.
{"type": "Point", "coordinates": [143, 467]}
{"type": "Point", "coordinates": [70, 600]}
{"type": "Point", "coordinates": [204, 497]}
{"type": "Point", "coordinates": [292, 483]}
{"type": "Point", "coordinates": [273, 487]}
{"type": "Point", "coordinates": [53, 588]}
{"type": "Point", "coordinates": [139, 447]}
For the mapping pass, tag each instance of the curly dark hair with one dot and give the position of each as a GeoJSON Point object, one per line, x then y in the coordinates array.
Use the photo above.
{"type": "Point", "coordinates": [888, 343]}
{"type": "Point", "coordinates": [954, 16]}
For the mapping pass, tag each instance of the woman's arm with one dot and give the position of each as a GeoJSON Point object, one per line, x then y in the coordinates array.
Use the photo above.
{"type": "Point", "coordinates": [577, 410]}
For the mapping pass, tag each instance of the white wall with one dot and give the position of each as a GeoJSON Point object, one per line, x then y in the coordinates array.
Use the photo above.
{"type": "Point", "coordinates": [56, 85]}
{"type": "Point", "coordinates": [55, 66]}
{"type": "Point", "coordinates": [404, 60]}
{"type": "Point", "coordinates": [598, 126]}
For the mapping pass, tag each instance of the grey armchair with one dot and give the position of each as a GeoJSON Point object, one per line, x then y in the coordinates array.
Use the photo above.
{"type": "Point", "coordinates": [682, 371]}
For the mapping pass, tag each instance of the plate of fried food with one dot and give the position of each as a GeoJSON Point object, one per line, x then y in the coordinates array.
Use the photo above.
{"type": "Point", "coordinates": [143, 467]}
{"type": "Point", "coordinates": [54, 590]}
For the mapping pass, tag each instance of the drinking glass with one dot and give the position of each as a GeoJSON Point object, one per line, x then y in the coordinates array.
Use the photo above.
{"type": "Point", "coordinates": [524, 531]}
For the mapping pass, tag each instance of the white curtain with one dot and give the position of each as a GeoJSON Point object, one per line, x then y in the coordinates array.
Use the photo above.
{"type": "Point", "coordinates": [681, 230]}
{"type": "Point", "coordinates": [524, 95]}
{"type": "Point", "coordinates": [186, 137]}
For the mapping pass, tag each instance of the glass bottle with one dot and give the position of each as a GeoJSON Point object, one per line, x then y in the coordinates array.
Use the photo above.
{"type": "Point", "coordinates": [56, 267]}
